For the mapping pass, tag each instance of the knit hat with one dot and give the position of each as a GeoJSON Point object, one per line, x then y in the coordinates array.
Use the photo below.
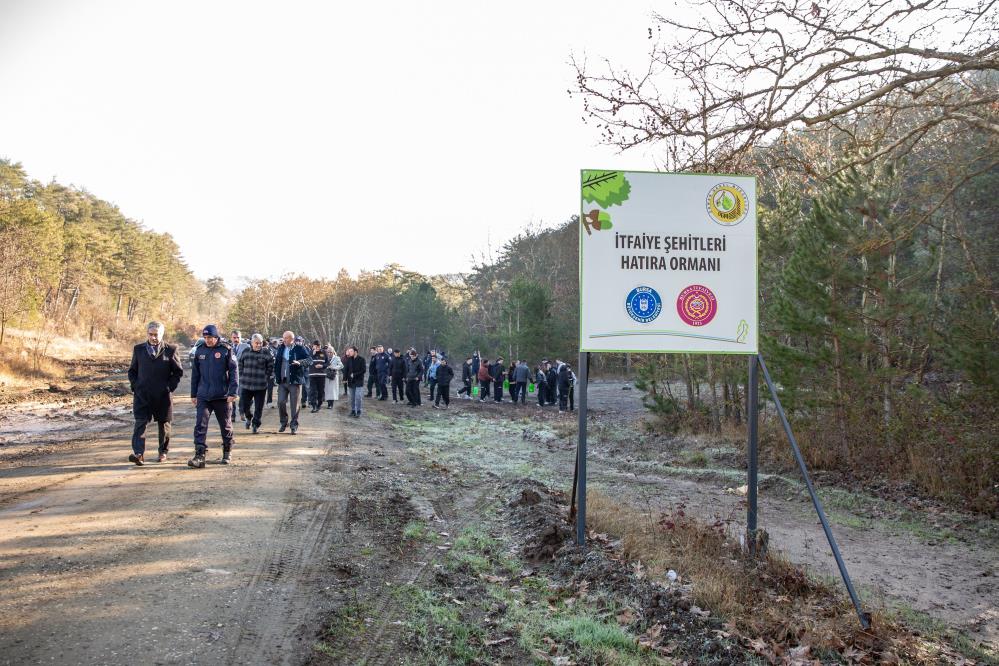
{"type": "Point", "coordinates": [211, 330]}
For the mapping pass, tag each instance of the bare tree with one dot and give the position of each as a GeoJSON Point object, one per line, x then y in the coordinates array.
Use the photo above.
{"type": "Point", "coordinates": [745, 73]}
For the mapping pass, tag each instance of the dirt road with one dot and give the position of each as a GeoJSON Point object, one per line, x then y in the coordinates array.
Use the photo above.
{"type": "Point", "coordinates": [104, 562]}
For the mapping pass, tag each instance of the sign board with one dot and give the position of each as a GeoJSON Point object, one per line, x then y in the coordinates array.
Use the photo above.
{"type": "Point", "coordinates": [667, 263]}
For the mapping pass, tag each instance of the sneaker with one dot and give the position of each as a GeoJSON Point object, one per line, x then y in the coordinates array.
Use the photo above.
{"type": "Point", "coordinates": [136, 458]}
{"type": "Point", "coordinates": [282, 428]}
{"type": "Point", "coordinates": [226, 458]}
{"type": "Point", "coordinates": [255, 428]}
{"type": "Point", "coordinates": [198, 461]}
{"type": "Point", "coordinates": [162, 457]}
{"type": "Point", "coordinates": [247, 422]}
{"type": "Point", "coordinates": [436, 407]}
{"type": "Point", "coordinates": [357, 415]}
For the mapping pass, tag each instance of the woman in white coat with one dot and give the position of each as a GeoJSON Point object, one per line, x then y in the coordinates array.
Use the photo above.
{"type": "Point", "coordinates": [332, 377]}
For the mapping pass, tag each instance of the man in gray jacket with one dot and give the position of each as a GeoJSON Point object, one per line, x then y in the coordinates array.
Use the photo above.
{"type": "Point", "coordinates": [518, 383]}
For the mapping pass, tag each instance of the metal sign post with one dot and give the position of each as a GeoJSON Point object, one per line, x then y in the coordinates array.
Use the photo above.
{"type": "Point", "coordinates": [584, 378]}
{"type": "Point", "coordinates": [753, 447]}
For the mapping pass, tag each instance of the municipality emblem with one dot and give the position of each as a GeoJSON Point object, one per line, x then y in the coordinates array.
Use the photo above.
{"type": "Point", "coordinates": [696, 305]}
{"type": "Point", "coordinates": [643, 304]}
{"type": "Point", "coordinates": [727, 204]}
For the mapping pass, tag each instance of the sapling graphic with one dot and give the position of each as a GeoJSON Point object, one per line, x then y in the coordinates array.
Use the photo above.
{"type": "Point", "coordinates": [605, 189]}
{"type": "Point", "coordinates": [742, 331]}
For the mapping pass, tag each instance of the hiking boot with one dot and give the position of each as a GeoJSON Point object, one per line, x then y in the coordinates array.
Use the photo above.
{"type": "Point", "coordinates": [226, 458]}
{"type": "Point", "coordinates": [136, 458]}
{"type": "Point", "coordinates": [255, 428]}
{"type": "Point", "coordinates": [162, 457]}
{"type": "Point", "coordinates": [283, 427]}
{"type": "Point", "coordinates": [247, 422]}
{"type": "Point", "coordinates": [294, 430]}
{"type": "Point", "coordinates": [197, 462]}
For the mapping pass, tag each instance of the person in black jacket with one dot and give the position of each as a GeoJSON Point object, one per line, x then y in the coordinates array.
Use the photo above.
{"type": "Point", "coordinates": [498, 371]}
{"type": "Point", "coordinates": [382, 361]}
{"type": "Point", "coordinates": [414, 371]}
{"type": "Point", "coordinates": [466, 379]}
{"type": "Point", "coordinates": [564, 383]}
{"type": "Point", "coordinates": [552, 383]}
{"type": "Point", "coordinates": [317, 376]}
{"type": "Point", "coordinates": [153, 375]}
{"type": "Point", "coordinates": [445, 373]}
{"type": "Point", "coordinates": [214, 381]}
{"type": "Point", "coordinates": [353, 375]}
{"type": "Point", "coordinates": [397, 370]}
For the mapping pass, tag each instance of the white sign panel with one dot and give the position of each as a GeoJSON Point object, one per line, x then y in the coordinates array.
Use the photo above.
{"type": "Point", "coordinates": [667, 263]}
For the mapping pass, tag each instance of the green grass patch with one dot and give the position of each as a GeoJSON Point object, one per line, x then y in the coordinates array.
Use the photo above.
{"type": "Point", "coordinates": [417, 530]}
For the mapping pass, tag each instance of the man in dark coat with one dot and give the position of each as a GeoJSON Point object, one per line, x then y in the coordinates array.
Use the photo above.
{"type": "Point", "coordinates": [214, 382]}
{"type": "Point", "coordinates": [290, 361]}
{"type": "Point", "coordinates": [414, 372]}
{"type": "Point", "coordinates": [397, 369]}
{"type": "Point", "coordinates": [466, 379]}
{"type": "Point", "coordinates": [382, 361]}
{"type": "Point", "coordinates": [353, 375]}
{"type": "Point", "coordinates": [153, 375]}
{"type": "Point", "coordinates": [564, 384]}
{"type": "Point", "coordinates": [445, 373]}
{"type": "Point", "coordinates": [498, 372]}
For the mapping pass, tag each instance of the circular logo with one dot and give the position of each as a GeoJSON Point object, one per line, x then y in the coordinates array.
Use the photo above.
{"type": "Point", "coordinates": [696, 305]}
{"type": "Point", "coordinates": [218, 354]}
{"type": "Point", "coordinates": [643, 304]}
{"type": "Point", "coordinates": [727, 204]}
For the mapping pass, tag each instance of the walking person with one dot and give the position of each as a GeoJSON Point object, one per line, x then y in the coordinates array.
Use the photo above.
{"type": "Point", "coordinates": [485, 379]}
{"type": "Point", "coordinates": [564, 381]}
{"type": "Point", "coordinates": [372, 371]}
{"type": "Point", "coordinates": [333, 369]}
{"type": "Point", "coordinates": [317, 376]}
{"type": "Point", "coordinates": [466, 379]}
{"type": "Point", "coordinates": [273, 349]}
{"type": "Point", "coordinates": [153, 375]}
{"type": "Point", "coordinates": [432, 374]}
{"type": "Point", "coordinates": [444, 375]}
{"type": "Point", "coordinates": [498, 373]}
{"type": "Point", "coordinates": [382, 361]}
{"type": "Point", "coordinates": [353, 373]}
{"type": "Point", "coordinates": [521, 376]}
{"type": "Point", "coordinates": [414, 370]}
{"type": "Point", "coordinates": [397, 370]}
{"type": "Point", "coordinates": [541, 385]}
{"type": "Point", "coordinates": [289, 374]}
{"type": "Point", "coordinates": [256, 371]}
{"type": "Point", "coordinates": [214, 381]}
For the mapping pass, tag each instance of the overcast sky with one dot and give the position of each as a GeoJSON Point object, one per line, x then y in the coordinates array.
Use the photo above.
{"type": "Point", "coordinates": [305, 137]}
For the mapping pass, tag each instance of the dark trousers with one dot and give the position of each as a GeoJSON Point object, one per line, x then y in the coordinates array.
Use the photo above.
{"type": "Point", "coordinates": [139, 436]}
{"type": "Point", "coordinates": [413, 391]}
{"type": "Point", "coordinates": [270, 392]}
{"type": "Point", "coordinates": [563, 401]}
{"type": "Point", "coordinates": [252, 399]}
{"type": "Point", "coordinates": [466, 388]}
{"type": "Point", "coordinates": [572, 398]}
{"type": "Point", "coordinates": [398, 389]}
{"type": "Point", "coordinates": [443, 392]}
{"type": "Point", "coordinates": [497, 390]}
{"type": "Point", "coordinates": [542, 394]}
{"type": "Point", "coordinates": [288, 393]}
{"type": "Point", "coordinates": [519, 390]}
{"type": "Point", "coordinates": [382, 387]}
{"type": "Point", "coordinates": [223, 414]}
{"type": "Point", "coordinates": [317, 391]}
{"type": "Point", "coordinates": [433, 385]}
{"type": "Point", "coordinates": [484, 388]}
{"type": "Point", "coordinates": [372, 380]}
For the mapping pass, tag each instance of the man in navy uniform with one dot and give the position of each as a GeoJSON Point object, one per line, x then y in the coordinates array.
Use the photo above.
{"type": "Point", "coordinates": [214, 382]}
{"type": "Point", "coordinates": [153, 375]}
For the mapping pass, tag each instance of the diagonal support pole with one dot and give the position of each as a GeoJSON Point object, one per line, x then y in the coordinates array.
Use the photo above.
{"type": "Point", "coordinates": [865, 618]}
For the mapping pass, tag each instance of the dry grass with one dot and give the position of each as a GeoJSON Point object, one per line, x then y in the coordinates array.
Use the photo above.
{"type": "Point", "coordinates": [35, 359]}
{"type": "Point", "coordinates": [770, 603]}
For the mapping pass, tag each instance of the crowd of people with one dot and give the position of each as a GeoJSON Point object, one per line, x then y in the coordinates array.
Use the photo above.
{"type": "Point", "coordinates": [237, 380]}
